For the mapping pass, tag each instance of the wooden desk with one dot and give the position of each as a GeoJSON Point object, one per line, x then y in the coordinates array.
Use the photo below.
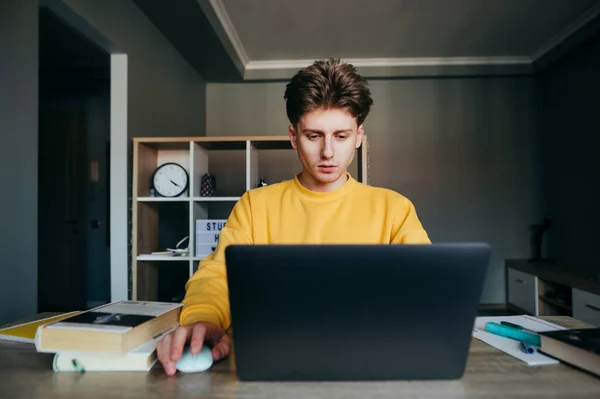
{"type": "Point", "coordinates": [24, 373]}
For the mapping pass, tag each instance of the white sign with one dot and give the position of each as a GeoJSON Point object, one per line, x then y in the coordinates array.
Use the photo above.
{"type": "Point", "coordinates": [210, 225]}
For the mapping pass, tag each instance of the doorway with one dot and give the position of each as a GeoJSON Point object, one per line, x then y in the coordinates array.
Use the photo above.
{"type": "Point", "coordinates": [74, 154]}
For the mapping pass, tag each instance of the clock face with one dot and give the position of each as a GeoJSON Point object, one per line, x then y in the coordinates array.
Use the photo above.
{"type": "Point", "coordinates": [170, 180]}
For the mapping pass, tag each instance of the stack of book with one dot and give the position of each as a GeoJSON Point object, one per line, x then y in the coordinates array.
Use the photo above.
{"type": "Point", "coordinates": [120, 336]}
{"type": "Point", "coordinates": [579, 347]}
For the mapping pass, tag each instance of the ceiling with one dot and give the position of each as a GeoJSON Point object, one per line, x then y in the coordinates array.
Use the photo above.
{"type": "Point", "coordinates": [272, 39]}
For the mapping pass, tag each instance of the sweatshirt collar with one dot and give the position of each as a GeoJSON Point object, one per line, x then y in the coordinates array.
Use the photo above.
{"type": "Point", "coordinates": [325, 196]}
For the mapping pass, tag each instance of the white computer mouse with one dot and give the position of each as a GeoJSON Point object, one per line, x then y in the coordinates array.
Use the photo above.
{"type": "Point", "coordinates": [189, 363]}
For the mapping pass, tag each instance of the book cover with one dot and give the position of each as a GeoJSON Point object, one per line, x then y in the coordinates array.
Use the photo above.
{"type": "Point", "coordinates": [117, 317]}
{"type": "Point", "coordinates": [115, 328]}
{"type": "Point", "coordinates": [578, 347]}
{"type": "Point", "coordinates": [587, 339]}
{"type": "Point", "coordinates": [25, 332]}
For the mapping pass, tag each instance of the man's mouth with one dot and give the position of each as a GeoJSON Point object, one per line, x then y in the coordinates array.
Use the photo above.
{"type": "Point", "coordinates": [327, 168]}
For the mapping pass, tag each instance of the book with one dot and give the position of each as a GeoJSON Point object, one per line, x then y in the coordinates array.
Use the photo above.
{"type": "Point", "coordinates": [114, 328]}
{"type": "Point", "coordinates": [510, 346]}
{"type": "Point", "coordinates": [25, 332]}
{"type": "Point", "coordinates": [141, 358]}
{"type": "Point", "coordinates": [577, 347]}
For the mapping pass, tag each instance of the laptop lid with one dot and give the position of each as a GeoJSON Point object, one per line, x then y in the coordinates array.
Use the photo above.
{"type": "Point", "coordinates": [353, 312]}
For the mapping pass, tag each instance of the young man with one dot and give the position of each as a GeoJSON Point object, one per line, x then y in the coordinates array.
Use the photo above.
{"type": "Point", "coordinates": [327, 104]}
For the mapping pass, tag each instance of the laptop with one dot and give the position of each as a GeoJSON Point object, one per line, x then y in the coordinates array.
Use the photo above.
{"type": "Point", "coordinates": [353, 312]}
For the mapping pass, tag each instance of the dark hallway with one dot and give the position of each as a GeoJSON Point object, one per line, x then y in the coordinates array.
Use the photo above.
{"type": "Point", "coordinates": [74, 123]}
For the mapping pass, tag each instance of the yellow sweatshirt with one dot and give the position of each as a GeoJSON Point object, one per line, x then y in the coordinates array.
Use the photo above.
{"type": "Point", "coordinates": [288, 213]}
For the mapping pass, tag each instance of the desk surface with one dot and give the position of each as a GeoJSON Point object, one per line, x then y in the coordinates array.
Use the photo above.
{"type": "Point", "coordinates": [490, 373]}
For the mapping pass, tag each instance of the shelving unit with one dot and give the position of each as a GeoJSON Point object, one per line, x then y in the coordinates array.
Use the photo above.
{"type": "Point", "coordinates": [544, 288]}
{"type": "Point", "coordinates": [159, 223]}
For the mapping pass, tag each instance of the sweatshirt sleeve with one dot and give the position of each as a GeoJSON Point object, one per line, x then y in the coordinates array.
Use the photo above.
{"type": "Point", "coordinates": [407, 227]}
{"type": "Point", "coordinates": [207, 294]}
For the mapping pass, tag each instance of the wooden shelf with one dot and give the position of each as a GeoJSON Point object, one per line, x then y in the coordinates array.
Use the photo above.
{"type": "Point", "coordinates": [237, 162]}
{"type": "Point", "coordinates": [163, 199]}
{"type": "Point", "coordinates": [185, 199]}
{"type": "Point", "coordinates": [215, 199]}
{"type": "Point", "coordinates": [163, 258]}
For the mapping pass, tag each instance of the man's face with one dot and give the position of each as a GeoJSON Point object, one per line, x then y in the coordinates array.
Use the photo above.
{"type": "Point", "coordinates": [326, 140]}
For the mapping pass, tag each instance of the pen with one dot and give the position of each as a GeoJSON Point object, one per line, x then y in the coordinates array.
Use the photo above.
{"type": "Point", "coordinates": [527, 348]}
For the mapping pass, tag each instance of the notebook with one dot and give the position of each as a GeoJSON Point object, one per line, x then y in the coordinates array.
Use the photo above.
{"type": "Point", "coordinates": [25, 332]}
{"type": "Point", "coordinates": [511, 346]}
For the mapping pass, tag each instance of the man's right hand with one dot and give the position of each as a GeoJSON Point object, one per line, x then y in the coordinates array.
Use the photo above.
{"type": "Point", "coordinates": [170, 347]}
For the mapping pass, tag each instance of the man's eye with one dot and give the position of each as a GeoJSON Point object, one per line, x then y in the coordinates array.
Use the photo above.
{"type": "Point", "coordinates": [342, 137]}
{"type": "Point", "coordinates": [313, 137]}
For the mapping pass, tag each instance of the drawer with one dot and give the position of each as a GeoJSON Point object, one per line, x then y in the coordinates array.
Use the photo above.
{"type": "Point", "coordinates": [522, 290]}
{"type": "Point", "coordinates": [586, 307]}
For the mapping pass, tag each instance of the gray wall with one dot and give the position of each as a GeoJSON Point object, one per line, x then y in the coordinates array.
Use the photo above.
{"type": "Point", "coordinates": [166, 95]}
{"type": "Point", "coordinates": [570, 93]}
{"type": "Point", "coordinates": [465, 151]}
{"type": "Point", "coordinates": [18, 158]}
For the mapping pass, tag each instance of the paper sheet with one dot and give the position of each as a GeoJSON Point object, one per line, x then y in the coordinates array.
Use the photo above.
{"type": "Point", "coordinates": [511, 346]}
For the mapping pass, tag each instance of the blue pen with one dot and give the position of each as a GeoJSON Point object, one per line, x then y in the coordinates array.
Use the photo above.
{"type": "Point", "coordinates": [509, 332]}
{"type": "Point", "coordinates": [527, 348]}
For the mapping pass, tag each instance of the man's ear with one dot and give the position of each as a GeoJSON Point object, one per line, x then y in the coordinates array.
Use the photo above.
{"type": "Point", "coordinates": [359, 136]}
{"type": "Point", "coordinates": [293, 136]}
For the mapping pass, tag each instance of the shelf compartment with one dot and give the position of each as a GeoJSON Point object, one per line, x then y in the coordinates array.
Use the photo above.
{"type": "Point", "coordinates": [554, 299]}
{"type": "Point", "coordinates": [160, 225]}
{"type": "Point", "coordinates": [225, 162]}
{"type": "Point", "coordinates": [558, 304]}
{"type": "Point", "coordinates": [149, 156]}
{"type": "Point", "coordinates": [171, 279]}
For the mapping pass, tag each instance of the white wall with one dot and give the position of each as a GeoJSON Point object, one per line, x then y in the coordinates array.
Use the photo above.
{"type": "Point", "coordinates": [465, 151]}
{"type": "Point", "coordinates": [18, 158]}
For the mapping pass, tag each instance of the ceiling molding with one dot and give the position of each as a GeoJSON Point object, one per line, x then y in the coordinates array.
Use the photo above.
{"type": "Point", "coordinates": [395, 62]}
{"type": "Point", "coordinates": [394, 67]}
{"type": "Point", "coordinates": [219, 18]}
{"type": "Point", "coordinates": [400, 67]}
{"type": "Point", "coordinates": [567, 32]}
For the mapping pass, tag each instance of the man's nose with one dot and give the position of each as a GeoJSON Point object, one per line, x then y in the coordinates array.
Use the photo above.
{"type": "Point", "coordinates": [327, 151]}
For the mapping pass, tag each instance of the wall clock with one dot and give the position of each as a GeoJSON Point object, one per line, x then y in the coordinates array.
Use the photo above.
{"type": "Point", "coordinates": [170, 180]}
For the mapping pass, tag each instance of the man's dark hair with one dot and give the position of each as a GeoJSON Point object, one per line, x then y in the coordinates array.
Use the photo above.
{"type": "Point", "coordinates": [328, 84]}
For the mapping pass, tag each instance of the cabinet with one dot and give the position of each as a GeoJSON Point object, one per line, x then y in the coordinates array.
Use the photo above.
{"type": "Point", "coordinates": [522, 290]}
{"type": "Point", "coordinates": [550, 289]}
{"type": "Point", "coordinates": [159, 223]}
{"type": "Point", "coordinates": [586, 307]}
